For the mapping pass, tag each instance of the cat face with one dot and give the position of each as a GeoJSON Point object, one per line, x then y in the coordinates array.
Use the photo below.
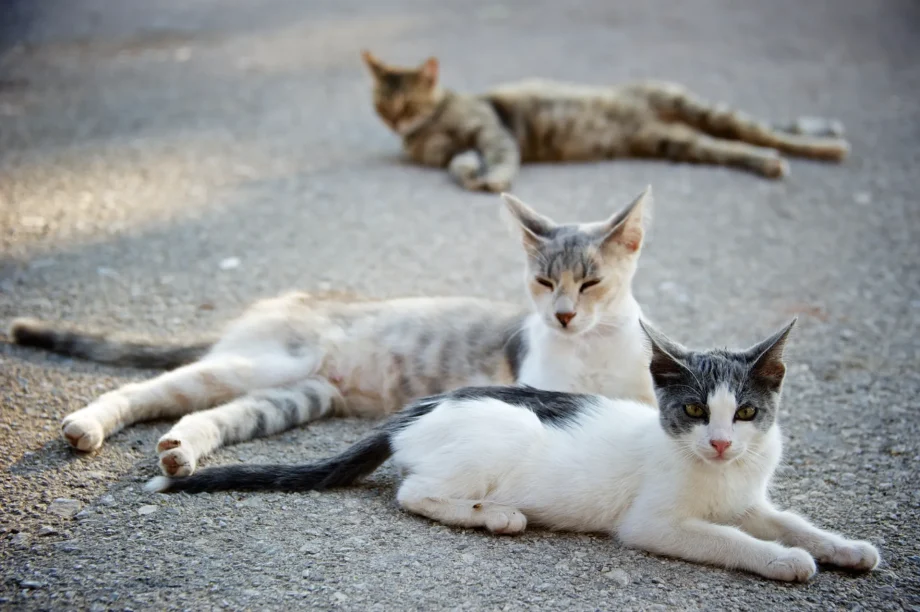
{"type": "Point", "coordinates": [719, 404]}
{"type": "Point", "coordinates": [575, 274]}
{"type": "Point", "coordinates": [403, 97]}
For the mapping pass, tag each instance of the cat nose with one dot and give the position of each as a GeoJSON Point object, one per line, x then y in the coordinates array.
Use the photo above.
{"type": "Point", "coordinates": [720, 445]}
{"type": "Point", "coordinates": [565, 317]}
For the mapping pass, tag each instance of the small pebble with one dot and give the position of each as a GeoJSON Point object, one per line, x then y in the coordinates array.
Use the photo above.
{"type": "Point", "coordinates": [65, 507]}
{"type": "Point", "coordinates": [618, 576]}
{"type": "Point", "coordinates": [230, 263]}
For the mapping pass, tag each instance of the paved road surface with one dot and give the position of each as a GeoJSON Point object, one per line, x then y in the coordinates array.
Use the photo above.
{"type": "Point", "coordinates": [142, 144]}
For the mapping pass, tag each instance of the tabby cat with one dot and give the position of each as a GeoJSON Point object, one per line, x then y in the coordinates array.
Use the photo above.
{"type": "Point", "coordinates": [482, 139]}
{"type": "Point", "coordinates": [687, 481]}
{"type": "Point", "coordinates": [294, 359]}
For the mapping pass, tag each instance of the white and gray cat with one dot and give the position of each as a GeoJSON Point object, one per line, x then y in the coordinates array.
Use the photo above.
{"type": "Point", "coordinates": [296, 358]}
{"type": "Point", "coordinates": [689, 480]}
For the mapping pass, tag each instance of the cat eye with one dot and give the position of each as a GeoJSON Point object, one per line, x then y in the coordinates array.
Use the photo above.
{"type": "Point", "coordinates": [545, 282]}
{"type": "Point", "coordinates": [745, 413]}
{"type": "Point", "coordinates": [588, 284]}
{"type": "Point", "coordinates": [695, 410]}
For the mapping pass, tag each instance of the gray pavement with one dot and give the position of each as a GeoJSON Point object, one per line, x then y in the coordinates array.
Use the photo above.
{"type": "Point", "coordinates": [143, 144]}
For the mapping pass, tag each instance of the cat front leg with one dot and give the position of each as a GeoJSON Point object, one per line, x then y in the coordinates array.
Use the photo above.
{"type": "Point", "coordinates": [500, 156]}
{"type": "Point", "coordinates": [728, 547]}
{"type": "Point", "coordinates": [421, 496]}
{"type": "Point", "coordinates": [466, 168]}
{"type": "Point", "coordinates": [766, 522]}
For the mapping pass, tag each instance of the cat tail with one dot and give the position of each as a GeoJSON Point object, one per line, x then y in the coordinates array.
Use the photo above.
{"type": "Point", "coordinates": [343, 469]}
{"type": "Point", "coordinates": [101, 348]}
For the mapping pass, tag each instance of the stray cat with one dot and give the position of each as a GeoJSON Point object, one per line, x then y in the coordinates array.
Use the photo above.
{"type": "Point", "coordinates": [688, 481]}
{"type": "Point", "coordinates": [482, 140]}
{"type": "Point", "coordinates": [295, 358]}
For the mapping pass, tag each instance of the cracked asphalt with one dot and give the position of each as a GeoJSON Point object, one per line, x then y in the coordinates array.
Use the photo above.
{"type": "Point", "coordinates": [163, 164]}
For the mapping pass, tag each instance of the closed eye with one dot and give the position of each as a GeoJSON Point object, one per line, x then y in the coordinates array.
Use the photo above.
{"type": "Point", "coordinates": [588, 284]}
{"type": "Point", "coordinates": [545, 282]}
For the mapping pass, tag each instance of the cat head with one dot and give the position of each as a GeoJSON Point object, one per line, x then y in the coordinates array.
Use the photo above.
{"type": "Point", "coordinates": [404, 97]}
{"type": "Point", "coordinates": [718, 404]}
{"type": "Point", "coordinates": [576, 274]}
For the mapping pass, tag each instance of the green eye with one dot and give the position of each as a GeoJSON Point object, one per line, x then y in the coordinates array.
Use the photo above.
{"type": "Point", "coordinates": [545, 282]}
{"type": "Point", "coordinates": [746, 413]}
{"type": "Point", "coordinates": [588, 284]}
{"type": "Point", "coordinates": [695, 410]}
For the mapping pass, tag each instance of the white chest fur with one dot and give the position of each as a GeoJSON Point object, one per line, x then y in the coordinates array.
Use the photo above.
{"type": "Point", "coordinates": [608, 361]}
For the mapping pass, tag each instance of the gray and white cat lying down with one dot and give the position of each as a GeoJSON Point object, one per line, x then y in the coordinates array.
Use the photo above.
{"type": "Point", "coordinates": [689, 481]}
{"type": "Point", "coordinates": [297, 358]}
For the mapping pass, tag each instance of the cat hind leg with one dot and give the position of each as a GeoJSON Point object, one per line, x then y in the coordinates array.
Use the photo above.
{"type": "Point", "coordinates": [420, 497]}
{"type": "Point", "coordinates": [259, 413]}
{"type": "Point", "coordinates": [683, 144]}
{"type": "Point", "coordinates": [172, 394]}
{"type": "Point", "coordinates": [721, 121]}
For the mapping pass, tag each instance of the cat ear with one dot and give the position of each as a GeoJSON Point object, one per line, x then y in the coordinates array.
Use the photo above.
{"type": "Point", "coordinates": [533, 227]}
{"type": "Point", "coordinates": [766, 357]}
{"type": "Point", "coordinates": [429, 70]}
{"type": "Point", "coordinates": [373, 64]}
{"type": "Point", "coordinates": [666, 366]}
{"type": "Point", "coordinates": [626, 228]}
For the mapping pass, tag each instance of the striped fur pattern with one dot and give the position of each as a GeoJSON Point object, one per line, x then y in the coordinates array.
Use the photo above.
{"type": "Point", "coordinates": [483, 139]}
{"type": "Point", "coordinates": [297, 358]}
{"type": "Point", "coordinates": [689, 480]}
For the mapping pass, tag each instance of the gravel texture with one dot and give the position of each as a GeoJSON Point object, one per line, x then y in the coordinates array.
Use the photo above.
{"type": "Point", "coordinates": [164, 163]}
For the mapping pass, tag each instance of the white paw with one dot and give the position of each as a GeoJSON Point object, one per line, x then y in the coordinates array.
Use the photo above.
{"type": "Point", "coordinates": [794, 565]}
{"type": "Point", "coordinates": [852, 554]}
{"type": "Point", "coordinates": [817, 126]}
{"type": "Point", "coordinates": [465, 165]}
{"type": "Point", "coordinates": [82, 431]}
{"type": "Point", "coordinates": [176, 458]}
{"type": "Point", "coordinates": [504, 520]}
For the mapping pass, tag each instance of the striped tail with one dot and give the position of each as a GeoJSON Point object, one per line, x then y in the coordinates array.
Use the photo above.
{"type": "Point", "coordinates": [103, 349]}
{"type": "Point", "coordinates": [344, 469]}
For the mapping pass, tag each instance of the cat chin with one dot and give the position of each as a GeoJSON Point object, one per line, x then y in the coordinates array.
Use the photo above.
{"type": "Point", "coordinates": [568, 332]}
{"type": "Point", "coordinates": [716, 461]}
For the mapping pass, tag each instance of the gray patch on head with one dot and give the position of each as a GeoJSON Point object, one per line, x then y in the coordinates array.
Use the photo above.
{"type": "Point", "coordinates": [701, 375]}
{"type": "Point", "coordinates": [567, 248]}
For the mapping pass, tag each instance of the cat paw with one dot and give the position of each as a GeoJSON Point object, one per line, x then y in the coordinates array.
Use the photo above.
{"type": "Point", "coordinates": [82, 431]}
{"type": "Point", "coordinates": [839, 151]}
{"type": "Point", "coordinates": [794, 565]}
{"type": "Point", "coordinates": [775, 168]}
{"type": "Point", "coordinates": [485, 183]}
{"type": "Point", "coordinates": [465, 166]}
{"type": "Point", "coordinates": [852, 554]}
{"type": "Point", "coordinates": [505, 521]}
{"type": "Point", "coordinates": [176, 459]}
{"type": "Point", "coordinates": [496, 186]}
{"type": "Point", "coordinates": [821, 127]}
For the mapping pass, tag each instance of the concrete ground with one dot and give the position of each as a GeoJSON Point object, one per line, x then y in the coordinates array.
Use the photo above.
{"type": "Point", "coordinates": [143, 146]}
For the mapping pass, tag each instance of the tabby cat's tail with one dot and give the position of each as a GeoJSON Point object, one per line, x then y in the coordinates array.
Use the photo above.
{"type": "Point", "coordinates": [103, 349]}
{"type": "Point", "coordinates": [344, 469]}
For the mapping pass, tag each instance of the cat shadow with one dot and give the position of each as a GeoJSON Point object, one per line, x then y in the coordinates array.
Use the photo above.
{"type": "Point", "coordinates": [56, 454]}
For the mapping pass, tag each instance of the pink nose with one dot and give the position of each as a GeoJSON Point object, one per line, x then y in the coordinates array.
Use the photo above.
{"type": "Point", "coordinates": [565, 317]}
{"type": "Point", "coordinates": [720, 445]}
